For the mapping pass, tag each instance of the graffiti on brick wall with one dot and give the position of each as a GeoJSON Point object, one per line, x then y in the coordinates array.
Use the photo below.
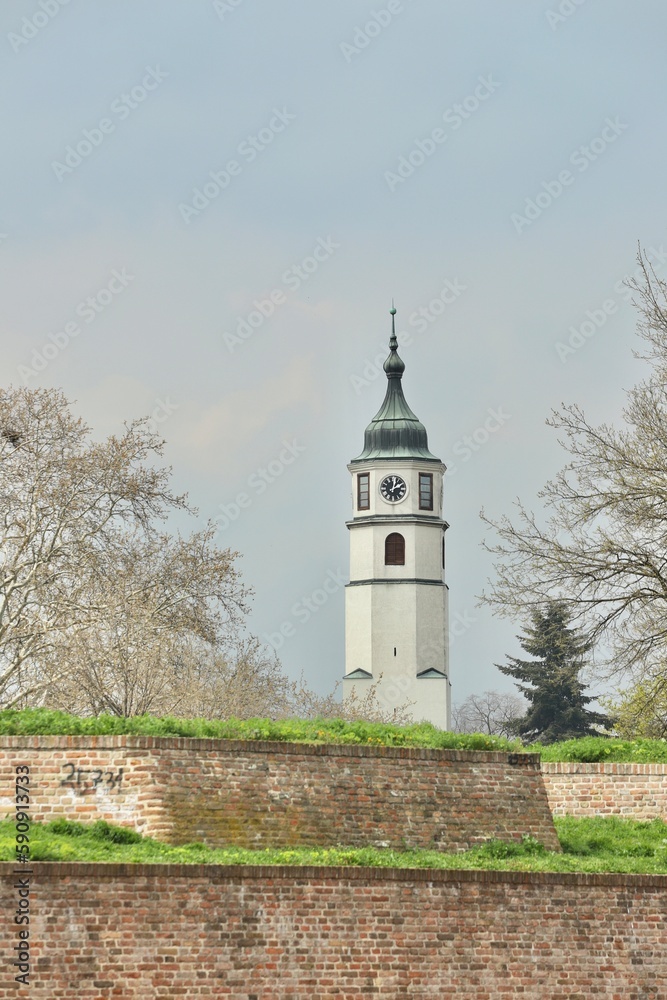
{"type": "Point", "coordinates": [86, 781]}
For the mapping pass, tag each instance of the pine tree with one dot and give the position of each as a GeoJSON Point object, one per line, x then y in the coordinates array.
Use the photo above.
{"type": "Point", "coordinates": [550, 682]}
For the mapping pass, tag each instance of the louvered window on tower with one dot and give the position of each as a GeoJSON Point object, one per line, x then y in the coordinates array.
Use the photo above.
{"type": "Point", "coordinates": [394, 550]}
{"type": "Point", "coordinates": [363, 494]}
{"type": "Point", "coordinates": [425, 491]}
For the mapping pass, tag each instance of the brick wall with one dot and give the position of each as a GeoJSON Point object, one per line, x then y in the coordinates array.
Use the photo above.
{"type": "Point", "coordinates": [633, 790]}
{"type": "Point", "coordinates": [254, 793]}
{"type": "Point", "coordinates": [101, 932]}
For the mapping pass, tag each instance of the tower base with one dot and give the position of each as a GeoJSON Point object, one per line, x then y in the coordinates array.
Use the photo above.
{"type": "Point", "coordinates": [430, 695]}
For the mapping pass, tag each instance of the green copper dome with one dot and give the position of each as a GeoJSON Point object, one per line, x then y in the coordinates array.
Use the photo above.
{"type": "Point", "coordinates": [394, 431]}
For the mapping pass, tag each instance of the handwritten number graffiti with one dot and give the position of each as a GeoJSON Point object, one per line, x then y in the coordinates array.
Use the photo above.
{"type": "Point", "coordinates": [84, 781]}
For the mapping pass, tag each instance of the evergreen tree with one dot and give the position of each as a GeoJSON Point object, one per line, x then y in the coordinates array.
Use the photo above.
{"type": "Point", "coordinates": [550, 682]}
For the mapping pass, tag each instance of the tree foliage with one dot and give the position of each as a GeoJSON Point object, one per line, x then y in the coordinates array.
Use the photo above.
{"type": "Point", "coordinates": [550, 681]}
{"type": "Point", "coordinates": [640, 712]}
{"type": "Point", "coordinates": [602, 550]}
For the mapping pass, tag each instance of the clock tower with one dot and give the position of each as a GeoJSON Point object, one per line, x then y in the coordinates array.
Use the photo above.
{"type": "Point", "coordinates": [396, 633]}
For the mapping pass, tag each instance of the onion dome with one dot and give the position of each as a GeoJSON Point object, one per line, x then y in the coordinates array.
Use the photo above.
{"type": "Point", "coordinates": [395, 431]}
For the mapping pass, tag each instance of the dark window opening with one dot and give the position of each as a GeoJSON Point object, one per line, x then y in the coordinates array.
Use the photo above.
{"type": "Point", "coordinates": [425, 491]}
{"type": "Point", "coordinates": [363, 491]}
{"type": "Point", "coordinates": [394, 550]}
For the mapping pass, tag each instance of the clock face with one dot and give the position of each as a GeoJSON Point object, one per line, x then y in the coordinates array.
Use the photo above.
{"type": "Point", "coordinates": [393, 488]}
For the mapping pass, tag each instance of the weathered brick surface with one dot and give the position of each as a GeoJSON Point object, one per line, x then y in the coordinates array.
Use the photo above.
{"type": "Point", "coordinates": [123, 932]}
{"type": "Point", "coordinates": [257, 794]}
{"type": "Point", "coordinates": [633, 790]}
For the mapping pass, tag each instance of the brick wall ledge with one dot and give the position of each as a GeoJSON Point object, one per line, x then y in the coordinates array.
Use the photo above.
{"type": "Point", "coordinates": [55, 870]}
{"type": "Point", "coordinates": [262, 746]}
{"type": "Point", "coordinates": [601, 767]}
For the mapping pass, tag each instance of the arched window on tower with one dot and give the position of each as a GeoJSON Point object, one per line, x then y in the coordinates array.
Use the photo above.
{"type": "Point", "coordinates": [394, 550]}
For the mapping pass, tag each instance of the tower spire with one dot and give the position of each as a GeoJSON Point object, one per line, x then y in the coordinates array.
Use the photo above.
{"type": "Point", "coordinates": [395, 431]}
{"type": "Point", "coordinates": [393, 366]}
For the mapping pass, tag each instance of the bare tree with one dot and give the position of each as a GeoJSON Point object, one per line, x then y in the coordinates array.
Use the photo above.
{"type": "Point", "coordinates": [249, 682]}
{"type": "Point", "coordinates": [601, 548]}
{"type": "Point", "coordinates": [493, 712]}
{"type": "Point", "coordinates": [78, 547]}
{"type": "Point", "coordinates": [149, 601]}
{"type": "Point", "coordinates": [368, 708]}
{"type": "Point", "coordinates": [244, 680]}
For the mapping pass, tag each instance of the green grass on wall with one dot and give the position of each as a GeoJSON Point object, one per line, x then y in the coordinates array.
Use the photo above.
{"type": "Point", "coordinates": [599, 844]}
{"type": "Point", "coordinates": [37, 722]}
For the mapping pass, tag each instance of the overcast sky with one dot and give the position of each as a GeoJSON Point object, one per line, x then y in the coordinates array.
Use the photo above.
{"type": "Point", "coordinates": [206, 210]}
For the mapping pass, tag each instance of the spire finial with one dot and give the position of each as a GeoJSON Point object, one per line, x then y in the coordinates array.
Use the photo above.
{"type": "Point", "coordinates": [393, 366]}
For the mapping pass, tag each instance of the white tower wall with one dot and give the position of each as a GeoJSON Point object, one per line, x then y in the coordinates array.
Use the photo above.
{"type": "Point", "coordinates": [399, 608]}
{"type": "Point", "coordinates": [396, 616]}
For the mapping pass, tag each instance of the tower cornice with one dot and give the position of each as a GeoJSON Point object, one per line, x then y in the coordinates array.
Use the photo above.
{"type": "Point", "coordinates": [397, 519]}
{"type": "Point", "coordinates": [388, 461]}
